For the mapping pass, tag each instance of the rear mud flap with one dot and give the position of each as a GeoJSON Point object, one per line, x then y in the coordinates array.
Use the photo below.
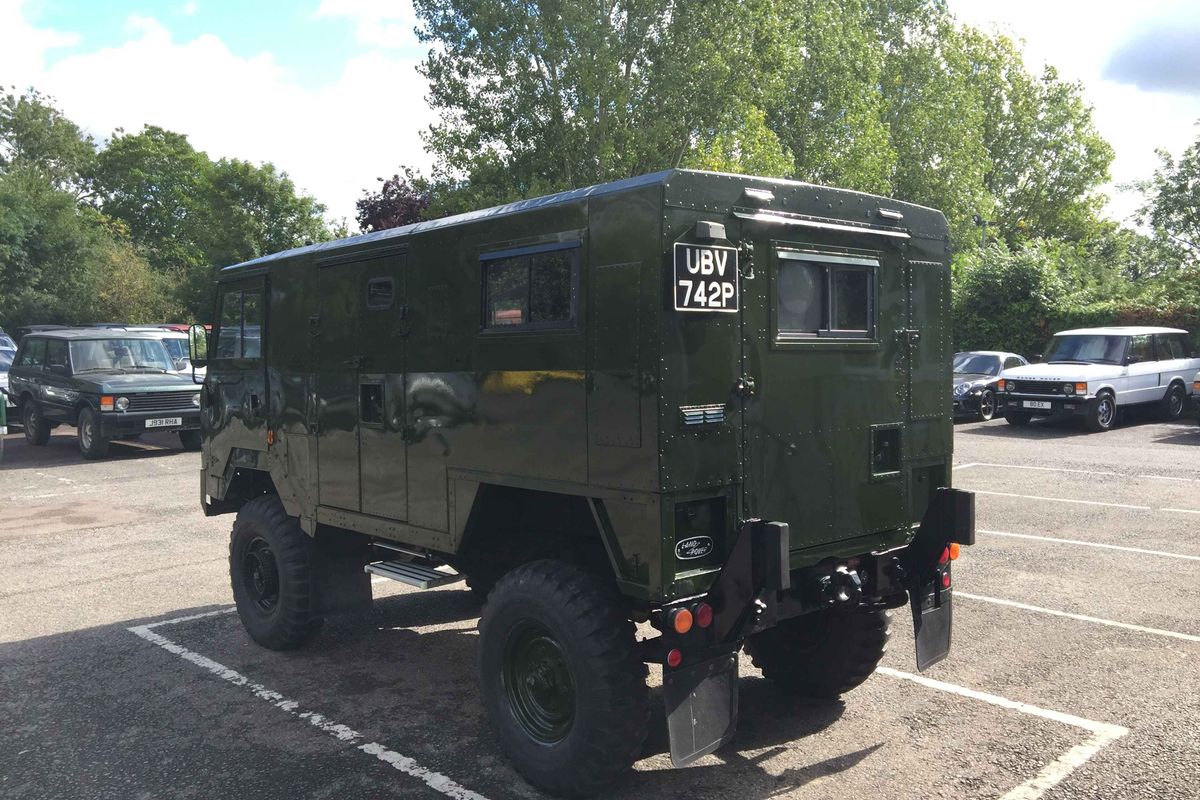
{"type": "Point", "coordinates": [932, 610]}
{"type": "Point", "coordinates": [702, 707]}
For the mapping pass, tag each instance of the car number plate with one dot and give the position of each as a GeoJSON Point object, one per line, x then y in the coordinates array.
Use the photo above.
{"type": "Point", "coordinates": [706, 278]}
{"type": "Point", "coordinates": [1042, 404]}
{"type": "Point", "coordinates": [164, 422]}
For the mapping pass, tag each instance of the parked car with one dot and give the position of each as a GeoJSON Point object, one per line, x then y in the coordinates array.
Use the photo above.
{"type": "Point", "coordinates": [110, 384]}
{"type": "Point", "coordinates": [1096, 373]}
{"type": "Point", "coordinates": [6, 361]}
{"type": "Point", "coordinates": [976, 374]}
{"type": "Point", "coordinates": [7, 343]}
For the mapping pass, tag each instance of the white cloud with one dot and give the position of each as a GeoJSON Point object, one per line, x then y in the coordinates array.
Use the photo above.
{"type": "Point", "coordinates": [1079, 41]}
{"type": "Point", "coordinates": [333, 140]}
{"type": "Point", "coordinates": [378, 23]}
{"type": "Point", "coordinates": [189, 8]}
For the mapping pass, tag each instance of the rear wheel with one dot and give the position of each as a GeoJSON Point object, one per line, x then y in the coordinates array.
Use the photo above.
{"type": "Point", "coordinates": [190, 440]}
{"type": "Point", "coordinates": [562, 684]}
{"type": "Point", "coordinates": [987, 405]}
{"type": "Point", "coordinates": [37, 432]}
{"type": "Point", "coordinates": [822, 654]}
{"type": "Point", "coordinates": [1017, 418]}
{"type": "Point", "coordinates": [91, 443]}
{"type": "Point", "coordinates": [270, 568]}
{"type": "Point", "coordinates": [1173, 403]}
{"type": "Point", "coordinates": [1101, 414]}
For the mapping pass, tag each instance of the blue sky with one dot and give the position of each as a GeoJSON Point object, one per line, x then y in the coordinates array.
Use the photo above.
{"type": "Point", "coordinates": [328, 89]}
{"type": "Point", "coordinates": [313, 49]}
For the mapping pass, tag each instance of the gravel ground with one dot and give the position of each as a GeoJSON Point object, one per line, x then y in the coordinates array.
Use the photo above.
{"type": "Point", "coordinates": [1099, 529]}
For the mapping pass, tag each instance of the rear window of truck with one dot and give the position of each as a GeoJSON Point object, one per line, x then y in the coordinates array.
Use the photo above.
{"type": "Point", "coordinates": [820, 295]}
{"type": "Point", "coordinates": [530, 289]}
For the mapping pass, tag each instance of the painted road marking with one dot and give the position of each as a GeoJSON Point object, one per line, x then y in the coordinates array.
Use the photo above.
{"type": "Point", "coordinates": [1187, 637]}
{"type": "Point", "coordinates": [1102, 733]}
{"type": "Point", "coordinates": [1040, 469]}
{"type": "Point", "coordinates": [1065, 500]}
{"type": "Point", "coordinates": [1168, 478]}
{"type": "Point", "coordinates": [434, 780]}
{"type": "Point", "coordinates": [1137, 550]}
{"type": "Point", "coordinates": [1181, 510]}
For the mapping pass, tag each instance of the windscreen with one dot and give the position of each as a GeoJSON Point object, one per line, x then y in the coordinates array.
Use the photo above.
{"type": "Point", "coordinates": [1086, 349]}
{"type": "Point", "coordinates": [7, 344]}
{"type": "Point", "coordinates": [176, 348]}
{"type": "Point", "coordinates": [976, 364]}
{"type": "Point", "coordinates": [103, 355]}
{"type": "Point", "coordinates": [6, 359]}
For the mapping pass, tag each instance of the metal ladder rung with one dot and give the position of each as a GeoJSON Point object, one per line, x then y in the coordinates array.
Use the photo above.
{"type": "Point", "coordinates": [422, 576]}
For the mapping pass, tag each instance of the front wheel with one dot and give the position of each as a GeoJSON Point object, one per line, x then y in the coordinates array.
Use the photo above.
{"type": "Point", "coordinates": [987, 405]}
{"type": "Point", "coordinates": [822, 654]}
{"type": "Point", "coordinates": [562, 684]}
{"type": "Point", "coordinates": [270, 568]}
{"type": "Point", "coordinates": [1173, 403]}
{"type": "Point", "coordinates": [1101, 414]}
{"type": "Point", "coordinates": [37, 432]}
{"type": "Point", "coordinates": [91, 443]}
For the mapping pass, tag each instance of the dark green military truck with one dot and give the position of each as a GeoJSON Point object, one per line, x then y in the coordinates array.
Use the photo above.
{"type": "Point", "coordinates": [716, 404]}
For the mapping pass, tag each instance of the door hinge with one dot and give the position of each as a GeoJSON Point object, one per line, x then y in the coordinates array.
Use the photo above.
{"type": "Point", "coordinates": [913, 335]}
{"type": "Point", "coordinates": [744, 386]}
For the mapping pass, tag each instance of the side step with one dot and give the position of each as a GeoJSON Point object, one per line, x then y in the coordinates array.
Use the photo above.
{"type": "Point", "coordinates": [423, 576]}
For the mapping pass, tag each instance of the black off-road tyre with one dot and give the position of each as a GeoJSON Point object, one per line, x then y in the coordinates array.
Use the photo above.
{"type": "Point", "coordinates": [987, 405]}
{"type": "Point", "coordinates": [1174, 403]}
{"type": "Point", "coordinates": [561, 681]}
{"type": "Point", "coordinates": [190, 440]}
{"type": "Point", "coordinates": [87, 430]}
{"type": "Point", "coordinates": [1101, 413]}
{"type": "Point", "coordinates": [271, 571]}
{"type": "Point", "coordinates": [823, 654]}
{"type": "Point", "coordinates": [1019, 419]}
{"type": "Point", "coordinates": [37, 432]}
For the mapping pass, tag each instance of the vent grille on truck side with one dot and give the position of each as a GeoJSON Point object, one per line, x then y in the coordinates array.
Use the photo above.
{"type": "Point", "coordinates": [703, 415]}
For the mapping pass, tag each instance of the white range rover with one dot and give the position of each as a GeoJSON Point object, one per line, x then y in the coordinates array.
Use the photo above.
{"type": "Point", "coordinates": [1097, 372]}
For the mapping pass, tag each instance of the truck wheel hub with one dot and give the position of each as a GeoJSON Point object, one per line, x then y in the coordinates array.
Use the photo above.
{"type": "Point", "coordinates": [262, 575]}
{"type": "Point", "coordinates": [538, 683]}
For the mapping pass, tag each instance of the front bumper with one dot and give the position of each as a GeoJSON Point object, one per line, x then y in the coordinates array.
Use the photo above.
{"type": "Point", "coordinates": [1058, 405]}
{"type": "Point", "coordinates": [126, 423]}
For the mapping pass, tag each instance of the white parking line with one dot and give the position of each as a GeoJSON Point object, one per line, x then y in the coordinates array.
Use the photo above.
{"type": "Point", "coordinates": [1103, 733]}
{"type": "Point", "coordinates": [1168, 478]}
{"type": "Point", "coordinates": [1181, 510]}
{"type": "Point", "coordinates": [435, 780]}
{"type": "Point", "coordinates": [1065, 500]}
{"type": "Point", "coordinates": [1040, 469]}
{"type": "Point", "coordinates": [1082, 543]}
{"type": "Point", "coordinates": [1187, 637]}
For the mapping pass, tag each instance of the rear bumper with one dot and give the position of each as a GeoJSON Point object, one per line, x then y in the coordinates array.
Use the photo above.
{"type": "Point", "coordinates": [125, 423]}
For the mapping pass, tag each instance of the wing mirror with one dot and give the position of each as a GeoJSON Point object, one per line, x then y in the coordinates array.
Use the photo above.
{"type": "Point", "coordinates": [1134, 360]}
{"type": "Point", "coordinates": [197, 348]}
{"type": "Point", "coordinates": [1036, 358]}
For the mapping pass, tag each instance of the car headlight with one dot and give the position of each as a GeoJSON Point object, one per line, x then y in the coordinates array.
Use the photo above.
{"type": "Point", "coordinates": [961, 389]}
{"type": "Point", "coordinates": [196, 399]}
{"type": "Point", "coordinates": [1068, 388]}
{"type": "Point", "coordinates": [122, 403]}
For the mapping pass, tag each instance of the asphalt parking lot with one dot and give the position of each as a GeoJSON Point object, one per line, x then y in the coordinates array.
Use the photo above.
{"type": "Point", "coordinates": [1074, 671]}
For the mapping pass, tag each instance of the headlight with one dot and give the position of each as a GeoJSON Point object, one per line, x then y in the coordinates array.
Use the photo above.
{"type": "Point", "coordinates": [1068, 388]}
{"type": "Point", "coordinates": [122, 403]}
{"type": "Point", "coordinates": [196, 399]}
{"type": "Point", "coordinates": [961, 388]}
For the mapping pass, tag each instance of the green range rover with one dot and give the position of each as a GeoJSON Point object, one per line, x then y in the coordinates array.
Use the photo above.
{"type": "Point", "coordinates": [109, 384]}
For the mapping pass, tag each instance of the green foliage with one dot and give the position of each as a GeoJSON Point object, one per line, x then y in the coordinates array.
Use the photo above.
{"type": "Point", "coordinates": [34, 135]}
{"type": "Point", "coordinates": [1005, 299]}
{"type": "Point", "coordinates": [1172, 206]}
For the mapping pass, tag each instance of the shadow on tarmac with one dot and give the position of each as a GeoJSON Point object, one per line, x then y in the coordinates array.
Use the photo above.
{"type": "Point", "coordinates": [63, 450]}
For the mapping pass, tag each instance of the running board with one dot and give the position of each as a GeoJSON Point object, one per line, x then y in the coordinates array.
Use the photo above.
{"type": "Point", "coordinates": [413, 573]}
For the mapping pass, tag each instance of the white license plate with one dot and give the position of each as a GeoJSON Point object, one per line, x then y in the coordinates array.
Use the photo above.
{"type": "Point", "coordinates": [1044, 405]}
{"type": "Point", "coordinates": [164, 422]}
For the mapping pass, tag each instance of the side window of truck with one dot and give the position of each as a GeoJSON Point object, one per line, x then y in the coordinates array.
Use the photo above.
{"type": "Point", "coordinates": [240, 331]}
{"type": "Point", "coordinates": [820, 295]}
{"type": "Point", "coordinates": [530, 290]}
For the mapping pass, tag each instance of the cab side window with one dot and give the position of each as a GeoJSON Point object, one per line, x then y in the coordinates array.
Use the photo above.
{"type": "Point", "coordinates": [1168, 346]}
{"type": "Point", "coordinates": [1141, 349]}
{"type": "Point", "coordinates": [240, 331]}
{"type": "Point", "coordinates": [33, 354]}
{"type": "Point", "coordinates": [531, 289]}
{"type": "Point", "coordinates": [1013, 361]}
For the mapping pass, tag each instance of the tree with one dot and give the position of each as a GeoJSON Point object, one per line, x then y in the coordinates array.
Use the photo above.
{"type": "Point", "coordinates": [398, 202]}
{"type": "Point", "coordinates": [1005, 299]}
{"type": "Point", "coordinates": [1172, 201]}
{"type": "Point", "coordinates": [35, 135]}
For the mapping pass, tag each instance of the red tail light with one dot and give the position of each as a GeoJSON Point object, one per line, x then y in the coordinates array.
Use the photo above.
{"type": "Point", "coordinates": [704, 615]}
{"type": "Point", "coordinates": [674, 658]}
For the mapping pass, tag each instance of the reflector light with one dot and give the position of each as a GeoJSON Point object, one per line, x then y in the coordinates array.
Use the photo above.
{"type": "Point", "coordinates": [945, 556]}
{"type": "Point", "coordinates": [681, 620]}
{"type": "Point", "coordinates": [955, 549]}
{"type": "Point", "coordinates": [270, 436]}
{"type": "Point", "coordinates": [674, 658]}
{"type": "Point", "coordinates": [704, 615]}
{"type": "Point", "coordinates": [946, 580]}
